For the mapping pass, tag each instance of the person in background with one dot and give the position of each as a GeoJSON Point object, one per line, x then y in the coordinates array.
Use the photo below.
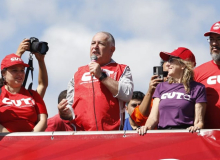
{"type": "Point", "coordinates": [21, 110]}
{"type": "Point", "coordinates": [55, 123]}
{"type": "Point", "coordinates": [135, 101]}
{"type": "Point", "coordinates": [140, 113]}
{"type": "Point", "coordinates": [209, 75]}
{"type": "Point", "coordinates": [97, 93]}
{"type": "Point", "coordinates": [180, 102]}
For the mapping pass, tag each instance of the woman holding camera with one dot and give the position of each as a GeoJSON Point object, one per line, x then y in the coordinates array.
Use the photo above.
{"type": "Point", "coordinates": [21, 110]}
{"type": "Point", "coordinates": [180, 102]}
{"type": "Point", "coordinates": [42, 75]}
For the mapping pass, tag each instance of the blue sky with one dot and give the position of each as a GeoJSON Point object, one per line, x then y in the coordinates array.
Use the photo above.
{"type": "Point", "coordinates": [142, 28]}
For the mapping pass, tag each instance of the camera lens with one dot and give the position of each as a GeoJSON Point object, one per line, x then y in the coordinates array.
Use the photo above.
{"type": "Point", "coordinates": [36, 46]}
{"type": "Point", "coordinates": [42, 48]}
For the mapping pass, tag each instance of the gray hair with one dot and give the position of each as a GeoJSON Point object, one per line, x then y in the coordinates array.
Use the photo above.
{"type": "Point", "coordinates": [110, 38]}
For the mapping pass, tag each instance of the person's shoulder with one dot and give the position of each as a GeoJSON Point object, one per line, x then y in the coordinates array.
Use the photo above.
{"type": "Point", "coordinates": [82, 67]}
{"type": "Point", "coordinates": [163, 86]}
{"type": "Point", "coordinates": [34, 93]}
{"type": "Point", "coordinates": [165, 83]}
{"type": "Point", "coordinates": [113, 62]}
{"type": "Point", "coordinates": [197, 84]}
{"type": "Point", "coordinates": [204, 65]}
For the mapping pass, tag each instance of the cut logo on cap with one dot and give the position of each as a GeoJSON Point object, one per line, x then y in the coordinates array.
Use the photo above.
{"type": "Point", "coordinates": [216, 26]}
{"type": "Point", "coordinates": [15, 59]}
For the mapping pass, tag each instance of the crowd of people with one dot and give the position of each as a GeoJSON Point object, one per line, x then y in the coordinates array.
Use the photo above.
{"type": "Point", "coordinates": [99, 93]}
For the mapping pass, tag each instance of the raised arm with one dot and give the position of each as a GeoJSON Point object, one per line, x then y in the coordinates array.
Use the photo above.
{"type": "Point", "coordinates": [145, 105]}
{"type": "Point", "coordinates": [42, 75]}
{"type": "Point", "coordinates": [23, 46]}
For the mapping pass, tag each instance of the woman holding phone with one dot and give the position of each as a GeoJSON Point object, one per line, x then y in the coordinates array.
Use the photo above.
{"type": "Point", "coordinates": [180, 102]}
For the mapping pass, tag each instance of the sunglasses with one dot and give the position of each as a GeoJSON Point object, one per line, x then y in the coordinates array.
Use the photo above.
{"type": "Point", "coordinates": [171, 60]}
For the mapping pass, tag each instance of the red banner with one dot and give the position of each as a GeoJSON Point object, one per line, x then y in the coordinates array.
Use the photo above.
{"type": "Point", "coordinates": [111, 145]}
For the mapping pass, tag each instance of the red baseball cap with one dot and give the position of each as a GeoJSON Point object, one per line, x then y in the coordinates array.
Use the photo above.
{"type": "Point", "coordinates": [11, 60]}
{"type": "Point", "coordinates": [214, 29]}
{"type": "Point", "coordinates": [181, 52]}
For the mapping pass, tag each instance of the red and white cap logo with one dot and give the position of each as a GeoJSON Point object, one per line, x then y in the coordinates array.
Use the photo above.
{"type": "Point", "coordinates": [214, 29]}
{"type": "Point", "coordinates": [216, 26]}
{"type": "Point", "coordinates": [11, 60]}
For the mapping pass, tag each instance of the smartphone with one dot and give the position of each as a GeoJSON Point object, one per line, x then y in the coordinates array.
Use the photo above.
{"type": "Point", "coordinates": [158, 70]}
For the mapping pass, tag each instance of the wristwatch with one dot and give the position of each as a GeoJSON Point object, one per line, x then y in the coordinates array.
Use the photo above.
{"type": "Point", "coordinates": [103, 76]}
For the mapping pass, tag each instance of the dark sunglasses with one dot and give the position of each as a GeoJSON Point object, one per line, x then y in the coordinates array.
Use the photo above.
{"type": "Point", "coordinates": [171, 60]}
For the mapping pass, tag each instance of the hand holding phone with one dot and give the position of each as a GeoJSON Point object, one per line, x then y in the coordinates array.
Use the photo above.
{"type": "Point", "coordinates": [158, 70]}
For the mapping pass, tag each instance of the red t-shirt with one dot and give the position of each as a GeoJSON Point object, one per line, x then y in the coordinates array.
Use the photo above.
{"type": "Point", "coordinates": [19, 112]}
{"type": "Point", "coordinates": [55, 123]}
{"type": "Point", "coordinates": [209, 75]}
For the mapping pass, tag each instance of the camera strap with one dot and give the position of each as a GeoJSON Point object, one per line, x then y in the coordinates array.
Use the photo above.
{"type": "Point", "coordinates": [30, 68]}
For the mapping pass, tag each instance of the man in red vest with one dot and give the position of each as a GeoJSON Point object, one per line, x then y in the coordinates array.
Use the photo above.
{"type": "Point", "coordinates": [98, 91]}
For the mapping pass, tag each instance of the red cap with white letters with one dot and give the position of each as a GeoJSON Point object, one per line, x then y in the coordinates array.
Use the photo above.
{"type": "Point", "coordinates": [181, 52]}
{"type": "Point", "coordinates": [214, 29]}
{"type": "Point", "coordinates": [11, 60]}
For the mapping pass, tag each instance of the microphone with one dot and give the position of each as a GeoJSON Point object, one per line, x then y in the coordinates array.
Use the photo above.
{"type": "Point", "coordinates": [93, 59]}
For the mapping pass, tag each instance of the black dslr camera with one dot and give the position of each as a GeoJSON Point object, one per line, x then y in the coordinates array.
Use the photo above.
{"type": "Point", "coordinates": [36, 46]}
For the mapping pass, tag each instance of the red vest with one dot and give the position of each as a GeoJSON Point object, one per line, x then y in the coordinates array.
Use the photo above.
{"type": "Point", "coordinates": [97, 110]}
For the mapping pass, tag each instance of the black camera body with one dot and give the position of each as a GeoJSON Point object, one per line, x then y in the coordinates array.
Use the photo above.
{"type": "Point", "coordinates": [37, 46]}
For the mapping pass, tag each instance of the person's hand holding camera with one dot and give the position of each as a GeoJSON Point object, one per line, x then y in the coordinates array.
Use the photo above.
{"type": "Point", "coordinates": [24, 46]}
{"type": "Point", "coordinates": [34, 46]}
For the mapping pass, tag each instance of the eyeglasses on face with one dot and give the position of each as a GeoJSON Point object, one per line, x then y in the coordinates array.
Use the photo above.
{"type": "Point", "coordinates": [211, 40]}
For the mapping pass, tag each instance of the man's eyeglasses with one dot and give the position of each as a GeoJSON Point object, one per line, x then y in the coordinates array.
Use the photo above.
{"type": "Point", "coordinates": [211, 40]}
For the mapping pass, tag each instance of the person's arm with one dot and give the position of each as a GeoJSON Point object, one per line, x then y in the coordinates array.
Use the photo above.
{"type": "Point", "coordinates": [23, 46]}
{"type": "Point", "coordinates": [199, 117]}
{"type": "Point", "coordinates": [111, 84]}
{"type": "Point", "coordinates": [121, 89]}
{"type": "Point", "coordinates": [70, 93]}
{"type": "Point", "coordinates": [153, 118]}
{"type": "Point", "coordinates": [42, 75]}
{"type": "Point", "coordinates": [3, 129]}
{"type": "Point", "coordinates": [65, 106]}
{"type": "Point", "coordinates": [42, 123]}
{"type": "Point", "coordinates": [64, 111]}
{"type": "Point", "coordinates": [144, 107]}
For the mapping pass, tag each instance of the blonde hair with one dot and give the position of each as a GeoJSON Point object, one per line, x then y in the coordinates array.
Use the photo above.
{"type": "Point", "coordinates": [188, 74]}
